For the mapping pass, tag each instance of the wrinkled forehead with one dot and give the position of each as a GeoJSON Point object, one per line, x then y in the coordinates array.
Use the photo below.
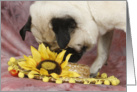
{"type": "Point", "coordinates": [45, 11]}
{"type": "Point", "coordinates": [55, 9]}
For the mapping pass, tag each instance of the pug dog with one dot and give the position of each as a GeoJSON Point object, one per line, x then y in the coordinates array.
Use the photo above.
{"type": "Point", "coordinates": [77, 26]}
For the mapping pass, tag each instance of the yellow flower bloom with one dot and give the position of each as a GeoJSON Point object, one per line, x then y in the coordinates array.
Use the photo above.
{"type": "Point", "coordinates": [47, 63]}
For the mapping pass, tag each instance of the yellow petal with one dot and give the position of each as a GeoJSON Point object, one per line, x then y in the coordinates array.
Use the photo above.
{"type": "Point", "coordinates": [64, 73]}
{"type": "Point", "coordinates": [54, 75]}
{"type": "Point", "coordinates": [52, 55]}
{"type": "Point", "coordinates": [60, 56]}
{"type": "Point", "coordinates": [30, 61]}
{"type": "Point", "coordinates": [43, 72]}
{"type": "Point", "coordinates": [26, 58]}
{"type": "Point", "coordinates": [34, 69]}
{"type": "Point", "coordinates": [35, 54]}
{"type": "Point", "coordinates": [66, 68]}
{"type": "Point", "coordinates": [69, 74]}
{"type": "Point", "coordinates": [34, 72]}
{"type": "Point", "coordinates": [22, 63]}
{"type": "Point", "coordinates": [73, 74]}
{"type": "Point", "coordinates": [25, 66]}
{"type": "Point", "coordinates": [64, 64]}
{"type": "Point", "coordinates": [43, 51]}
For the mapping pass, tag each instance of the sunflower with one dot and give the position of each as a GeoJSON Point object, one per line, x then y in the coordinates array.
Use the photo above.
{"type": "Point", "coordinates": [47, 63]}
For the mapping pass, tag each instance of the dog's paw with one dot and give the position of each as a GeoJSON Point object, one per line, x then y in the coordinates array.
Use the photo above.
{"type": "Point", "coordinates": [94, 71]}
{"type": "Point", "coordinates": [93, 75]}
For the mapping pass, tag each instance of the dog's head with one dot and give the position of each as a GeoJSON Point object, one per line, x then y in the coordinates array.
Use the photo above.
{"type": "Point", "coordinates": [62, 25]}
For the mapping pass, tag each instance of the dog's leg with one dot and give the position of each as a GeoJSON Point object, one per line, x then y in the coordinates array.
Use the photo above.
{"type": "Point", "coordinates": [103, 52]}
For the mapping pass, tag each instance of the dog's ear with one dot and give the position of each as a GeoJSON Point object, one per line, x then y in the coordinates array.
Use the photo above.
{"type": "Point", "coordinates": [25, 28]}
{"type": "Point", "coordinates": [62, 28]}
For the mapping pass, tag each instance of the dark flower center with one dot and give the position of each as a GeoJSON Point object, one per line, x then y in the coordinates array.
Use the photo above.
{"type": "Point", "coordinates": [50, 66]}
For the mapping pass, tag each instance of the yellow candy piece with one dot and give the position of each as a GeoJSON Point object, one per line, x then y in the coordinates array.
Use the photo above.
{"type": "Point", "coordinates": [71, 81]}
{"type": "Point", "coordinates": [59, 81]}
{"type": "Point", "coordinates": [107, 82]}
{"type": "Point", "coordinates": [45, 79]}
{"type": "Point", "coordinates": [10, 68]}
{"type": "Point", "coordinates": [114, 82]}
{"type": "Point", "coordinates": [103, 75]}
{"type": "Point", "coordinates": [21, 74]}
{"type": "Point", "coordinates": [31, 76]}
{"type": "Point", "coordinates": [12, 59]}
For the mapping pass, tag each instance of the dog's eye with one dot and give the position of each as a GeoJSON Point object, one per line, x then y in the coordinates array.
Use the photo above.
{"type": "Point", "coordinates": [71, 23]}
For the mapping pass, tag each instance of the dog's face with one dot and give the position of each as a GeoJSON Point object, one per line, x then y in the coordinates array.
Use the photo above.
{"type": "Point", "coordinates": [62, 25]}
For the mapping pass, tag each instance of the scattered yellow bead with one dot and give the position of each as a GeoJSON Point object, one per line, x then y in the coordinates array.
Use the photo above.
{"type": "Point", "coordinates": [118, 81]}
{"type": "Point", "coordinates": [114, 82]}
{"type": "Point", "coordinates": [98, 82]}
{"type": "Point", "coordinates": [21, 74]}
{"type": "Point", "coordinates": [31, 76]}
{"type": "Point", "coordinates": [12, 59]}
{"type": "Point", "coordinates": [111, 77]}
{"type": "Point", "coordinates": [10, 68]}
{"type": "Point", "coordinates": [103, 75]}
{"type": "Point", "coordinates": [91, 79]}
{"type": "Point", "coordinates": [107, 82]}
{"type": "Point", "coordinates": [71, 81]}
{"type": "Point", "coordinates": [45, 79]}
{"type": "Point", "coordinates": [59, 81]}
